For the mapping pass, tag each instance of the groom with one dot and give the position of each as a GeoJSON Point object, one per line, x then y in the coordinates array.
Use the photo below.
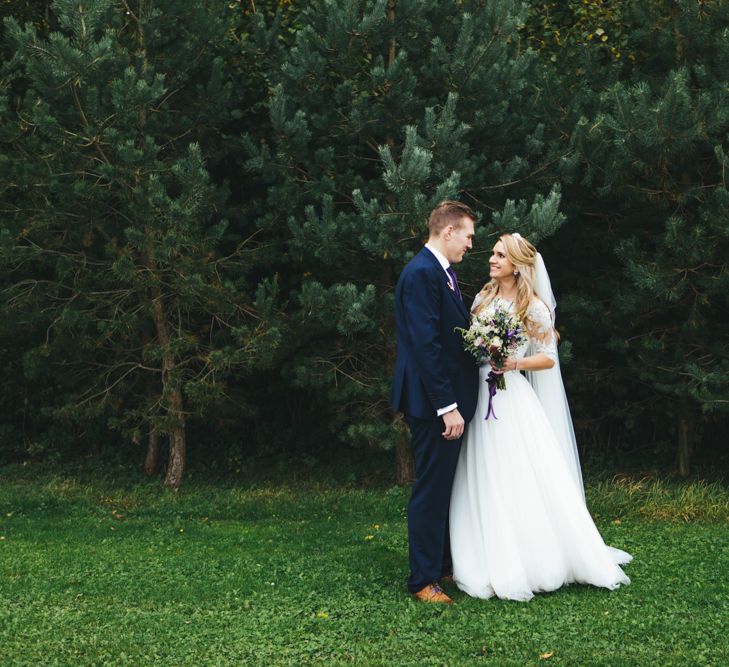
{"type": "Point", "coordinates": [435, 384]}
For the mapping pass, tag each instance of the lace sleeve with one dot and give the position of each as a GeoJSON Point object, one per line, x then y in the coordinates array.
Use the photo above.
{"type": "Point", "coordinates": [477, 301]}
{"type": "Point", "coordinates": [543, 336]}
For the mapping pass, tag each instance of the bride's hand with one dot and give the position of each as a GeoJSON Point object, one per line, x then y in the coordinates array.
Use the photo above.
{"type": "Point", "coordinates": [510, 364]}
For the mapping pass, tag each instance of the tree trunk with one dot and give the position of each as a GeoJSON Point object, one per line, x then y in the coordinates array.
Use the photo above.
{"type": "Point", "coordinates": [404, 461]}
{"type": "Point", "coordinates": [176, 463]}
{"type": "Point", "coordinates": [171, 390]}
{"type": "Point", "coordinates": [171, 397]}
{"type": "Point", "coordinates": [686, 434]}
{"type": "Point", "coordinates": [392, 51]}
{"type": "Point", "coordinates": [151, 461]}
{"type": "Point", "coordinates": [678, 37]}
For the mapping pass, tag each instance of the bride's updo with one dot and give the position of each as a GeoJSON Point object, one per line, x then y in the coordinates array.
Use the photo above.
{"type": "Point", "coordinates": [523, 255]}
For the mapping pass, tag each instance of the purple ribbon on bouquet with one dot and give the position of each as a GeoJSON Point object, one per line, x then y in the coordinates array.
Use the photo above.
{"type": "Point", "coordinates": [491, 381]}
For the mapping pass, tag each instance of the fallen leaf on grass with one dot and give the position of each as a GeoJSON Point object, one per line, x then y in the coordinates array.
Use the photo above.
{"type": "Point", "coordinates": [546, 656]}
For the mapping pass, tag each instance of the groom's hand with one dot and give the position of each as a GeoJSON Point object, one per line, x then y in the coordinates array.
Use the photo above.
{"type": "Point", "coordinates": [454, 425]}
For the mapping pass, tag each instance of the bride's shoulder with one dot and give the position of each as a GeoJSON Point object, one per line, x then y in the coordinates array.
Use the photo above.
{"type": "Point", "coordinates": [538, 309]}
{"type": "Point", "coordinates": [478, 300]}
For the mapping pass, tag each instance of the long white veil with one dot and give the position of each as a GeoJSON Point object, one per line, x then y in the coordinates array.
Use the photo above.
{"type": "Point", "coordinates": [548, 386]}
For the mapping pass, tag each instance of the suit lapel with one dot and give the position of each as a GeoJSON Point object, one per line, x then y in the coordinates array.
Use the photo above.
{"type": "Point", "coordinates": [434, 260]}
{"type": "Point", "coordinates": [459, 301]}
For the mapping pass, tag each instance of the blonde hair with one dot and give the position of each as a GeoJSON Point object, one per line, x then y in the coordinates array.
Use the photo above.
{"type": "Point", "coordinates": [523, 255]}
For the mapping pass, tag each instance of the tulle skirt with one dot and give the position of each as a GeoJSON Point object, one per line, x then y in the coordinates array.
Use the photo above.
{"type": "Point", "coordinates": [518, 521]}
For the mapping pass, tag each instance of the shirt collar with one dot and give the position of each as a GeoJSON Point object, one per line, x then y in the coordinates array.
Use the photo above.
{"type": "Point", "coordinates": [439, 256]}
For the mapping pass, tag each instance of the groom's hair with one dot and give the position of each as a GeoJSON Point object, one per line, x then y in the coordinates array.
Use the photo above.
{"type": "Point", "coordinates": [448, 212]}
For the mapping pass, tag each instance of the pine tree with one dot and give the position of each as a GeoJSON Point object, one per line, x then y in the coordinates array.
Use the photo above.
{"type": "Point", "coordinates": [115, 252]}
{"type": "Point", "coordinates": [656, 153]}
{"type": "Point", "coordinates": [378, 111]}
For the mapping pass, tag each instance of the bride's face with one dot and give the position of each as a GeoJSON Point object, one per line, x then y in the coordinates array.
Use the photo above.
{"type": "Point", "coordinates": [499, 265]}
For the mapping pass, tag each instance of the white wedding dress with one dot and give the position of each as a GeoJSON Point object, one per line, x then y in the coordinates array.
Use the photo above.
{"type": "Point", "coordinates": [518, 520]}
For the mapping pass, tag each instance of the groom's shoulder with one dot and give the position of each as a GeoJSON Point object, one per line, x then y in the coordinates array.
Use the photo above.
{"type": "Point", "coordinates": [420, 265]}
{"type": "Point", "coordinates": [424, 259]}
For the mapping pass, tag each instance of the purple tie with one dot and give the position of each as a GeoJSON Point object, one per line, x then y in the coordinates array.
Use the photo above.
{"type": "Point", "coordinates": [454, 281]}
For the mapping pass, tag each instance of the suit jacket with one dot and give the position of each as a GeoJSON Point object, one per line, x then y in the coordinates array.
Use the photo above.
{"type": "Point", "coordinates": [432, 368]}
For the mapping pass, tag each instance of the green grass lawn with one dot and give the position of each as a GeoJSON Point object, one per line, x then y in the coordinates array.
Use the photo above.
{"type": "Point", "coordinates": [98, 572]}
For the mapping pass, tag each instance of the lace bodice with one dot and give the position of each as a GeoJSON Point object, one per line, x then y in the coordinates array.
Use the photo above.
{"type": "Point", "coordinates": [541, 337]}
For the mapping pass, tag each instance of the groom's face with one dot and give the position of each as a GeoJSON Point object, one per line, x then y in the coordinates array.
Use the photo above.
{"type": "Point", "coordinates": [459, 240]}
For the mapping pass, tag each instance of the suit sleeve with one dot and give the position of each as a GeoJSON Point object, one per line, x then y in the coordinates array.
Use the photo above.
{"type": "Point", "coordinates": [422, 306]}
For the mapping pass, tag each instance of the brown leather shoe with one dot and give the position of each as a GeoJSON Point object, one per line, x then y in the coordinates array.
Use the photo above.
{"type": "Point", "coordinates": [432, 593]}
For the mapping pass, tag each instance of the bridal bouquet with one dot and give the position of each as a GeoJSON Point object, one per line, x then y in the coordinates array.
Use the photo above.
{"type": "Point", "coordinates": [494, 334]}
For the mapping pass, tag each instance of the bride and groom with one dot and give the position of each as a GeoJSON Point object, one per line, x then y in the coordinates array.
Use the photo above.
{"type": "Point", "coordinates": [497, 506]}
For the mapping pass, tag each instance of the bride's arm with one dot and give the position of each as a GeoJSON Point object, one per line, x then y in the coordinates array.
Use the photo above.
{"type": "Point", "coordinates": [543, 339]}
{"type": "Point", "coordinates": [535, 362]}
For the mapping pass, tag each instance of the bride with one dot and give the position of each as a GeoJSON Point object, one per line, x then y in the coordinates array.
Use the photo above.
{"type": "Point", "coordinates": [518, 520]}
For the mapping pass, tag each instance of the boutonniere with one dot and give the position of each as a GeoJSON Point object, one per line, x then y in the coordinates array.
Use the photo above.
{"type": "Point", "coordinates": [450, 286]}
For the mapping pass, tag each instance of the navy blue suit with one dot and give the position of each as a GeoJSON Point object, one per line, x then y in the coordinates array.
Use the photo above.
{"type": "Point", "coordinates": [432, 371]}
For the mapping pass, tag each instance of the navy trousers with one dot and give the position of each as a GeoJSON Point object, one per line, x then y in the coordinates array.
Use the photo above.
{"type": "Point", "coordinates": [428, 529]}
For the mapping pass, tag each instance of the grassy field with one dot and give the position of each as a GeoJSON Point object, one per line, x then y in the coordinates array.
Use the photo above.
{"type": "Point", "coordinates": [100, 571]}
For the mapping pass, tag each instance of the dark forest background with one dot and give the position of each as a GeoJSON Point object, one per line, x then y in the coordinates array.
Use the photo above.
{"type": "Point", "coordinates": [205, 206]}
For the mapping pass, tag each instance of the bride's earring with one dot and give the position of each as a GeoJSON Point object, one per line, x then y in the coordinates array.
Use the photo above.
{"type": "Point", "coordinates": [516, 274]}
